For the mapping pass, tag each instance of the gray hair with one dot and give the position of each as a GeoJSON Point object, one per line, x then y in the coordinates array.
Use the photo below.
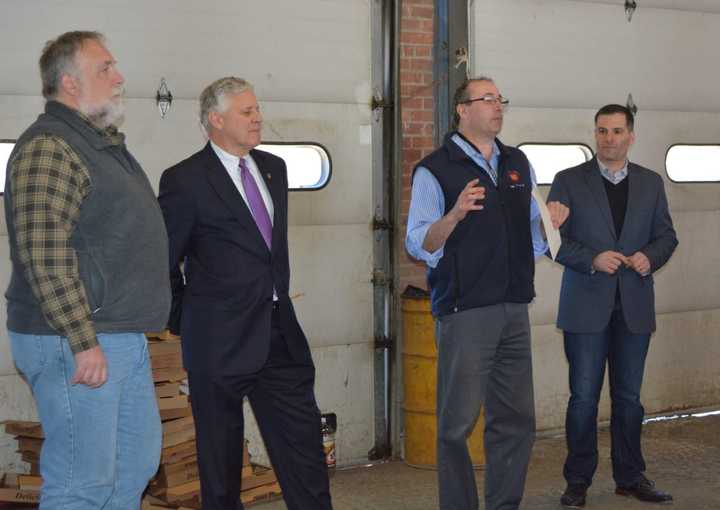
{"type": "Point", "coordinates": [58, 58]}
{"type": "Point", "coordinates": [461, 95]}
{"type": "Point", "coordinates": [214, 97]}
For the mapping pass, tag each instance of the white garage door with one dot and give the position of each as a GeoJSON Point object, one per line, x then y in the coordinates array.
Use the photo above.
{"type": "Point", "coordinates": [558, 61]}
{"type": "Point", "coordinates": [310, 62]}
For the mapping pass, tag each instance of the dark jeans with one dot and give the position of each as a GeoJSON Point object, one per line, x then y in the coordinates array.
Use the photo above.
{"type": "Point", "coordinates": [625, 354]}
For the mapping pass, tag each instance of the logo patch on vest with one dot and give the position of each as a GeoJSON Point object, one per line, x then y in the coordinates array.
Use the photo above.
{"type": "Point", "coordinates": [514, 179]}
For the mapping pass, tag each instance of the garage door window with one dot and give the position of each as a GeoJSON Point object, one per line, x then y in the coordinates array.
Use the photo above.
{"type": "Point", "coordinates": [693, 163]}
{"type": "Point", "coordinates": [549, 158]}
{"type": "Point", "coordinates": [6, 147]}
{"type": "Point", "coordinates": [309, 166]}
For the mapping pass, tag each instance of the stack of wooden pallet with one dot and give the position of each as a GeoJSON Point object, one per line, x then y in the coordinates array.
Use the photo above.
{"type": "Point", "coordinates": [177, 483]}
{"type": "Point", "coordinates": [178, 460]}
{"type": "Point", "coordinates": [24, 488]}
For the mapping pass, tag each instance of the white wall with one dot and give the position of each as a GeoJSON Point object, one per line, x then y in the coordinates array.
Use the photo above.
{"type": "Point", "coordinates": [558, 61]}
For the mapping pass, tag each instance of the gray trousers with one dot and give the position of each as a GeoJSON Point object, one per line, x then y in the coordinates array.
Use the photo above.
{"type": "Point", "coordinates": [484, 358]}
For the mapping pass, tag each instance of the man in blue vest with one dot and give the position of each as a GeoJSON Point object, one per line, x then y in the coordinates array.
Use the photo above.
{"type": "Point", "coordinates": [619, 233]}
{"type": "Point", "coordinates": [89, 274]}
{"type": "Point", "coordinates": [473, 221]}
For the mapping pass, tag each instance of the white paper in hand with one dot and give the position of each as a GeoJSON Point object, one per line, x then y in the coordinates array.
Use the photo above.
{"type": "Point", "coordinates": [551, 233]}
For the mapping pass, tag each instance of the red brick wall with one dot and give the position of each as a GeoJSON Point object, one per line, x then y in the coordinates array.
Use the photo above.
{"type": "Point", "coordinates": [417, 105]}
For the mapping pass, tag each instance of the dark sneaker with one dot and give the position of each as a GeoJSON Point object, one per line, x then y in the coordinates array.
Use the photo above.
{"type": "Point", "coordinates": [574, 496]}
{"type": "Point", "coordinates": [644, 490]}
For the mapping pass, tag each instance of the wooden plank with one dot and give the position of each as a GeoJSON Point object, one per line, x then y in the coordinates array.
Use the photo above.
{"type": "Point", "coordinates": [172, 426]}
{"type": "Point", "coordinates": [169, 374]}
{"type": "Point", "coordinates": [16, 495]}
{"type": "Point", "coordinates": [246, 454]}
{"type": "Point", "coordinates": [261, 493]}
{"type": "Point", "coordinates": [177, 453]}
{"type": "Point", "coordinates": [30, 457]}
{"type": "Point", "coordinates": [168, 389]}
{"type": "Point", "coordinates": [183, 492]}
{"type": "Point", "coordinates": [29, 444]}
{"type": "Point", "coordinates": [166, 361]}
{"type": "Point", "coordinates": [178, 437]}
{"type": "Point", "coordinates": [261, 476]}
{"type": "Point", "coordinates": [171, 478]}
{"type": "Point", "coordinates": [10, 491]}
{"type": "Point", "coordinates": [157, 348]}
{"type": "Point", "coordinates": [162, 335]}
{"type": "Point", "coordinates": [29, 482]}
{"type": "Point", "coordinates": [176, 402]}
{"type": "Point", "coordinates": [23, 428]}
{"type": "Point", "coordinates": [172, 414]}
{"type": "Point", "coordinates": [178, 466]}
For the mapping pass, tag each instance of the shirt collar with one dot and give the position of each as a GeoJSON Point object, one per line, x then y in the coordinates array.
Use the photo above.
{"type": "Point", "coordinates": [225, 157]}
{"type": "Point", "coordinates": [613, 177]}
{"type": "Point", "coordinates": [231, 160]}
{"type": "Point", "coordinates": [474, 154]}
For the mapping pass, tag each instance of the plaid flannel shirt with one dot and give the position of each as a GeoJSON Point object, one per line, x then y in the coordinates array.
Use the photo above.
{"type": "Point", "coordinates": [49, 182]}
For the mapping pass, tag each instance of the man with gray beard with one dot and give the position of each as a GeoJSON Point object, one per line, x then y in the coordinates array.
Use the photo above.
{"type": "Point", "coordinates": [89, 274]}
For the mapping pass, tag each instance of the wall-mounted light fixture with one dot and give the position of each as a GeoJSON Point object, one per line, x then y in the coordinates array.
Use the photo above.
{"type": "Point", "coordinates": [163, 98]}
{"type": "Point", "coordinates": [631, 105]}
{"type": "Point", "coordinates": [630, 6]}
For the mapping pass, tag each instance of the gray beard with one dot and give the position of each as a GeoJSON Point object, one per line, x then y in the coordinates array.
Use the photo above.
{"type": "Point", "coordinates": [112, 114]}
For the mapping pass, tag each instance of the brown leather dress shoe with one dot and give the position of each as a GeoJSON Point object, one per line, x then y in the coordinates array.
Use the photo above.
{"type": "Point", "coordinates": [574, 496]}
{"type": "Point", "coordinates": [644, 490]}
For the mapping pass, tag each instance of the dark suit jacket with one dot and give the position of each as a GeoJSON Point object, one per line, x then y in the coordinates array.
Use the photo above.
{"type": "Point", "coordinates": [222, 308]}
{"type": "Point", "coordinates": [586, 298]}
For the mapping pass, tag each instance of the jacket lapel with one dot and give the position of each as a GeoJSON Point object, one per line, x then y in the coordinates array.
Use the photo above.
{"type": "Point", "coordinates": [225, 188]}
{"type": "Point", "coordinates": [597, 189]}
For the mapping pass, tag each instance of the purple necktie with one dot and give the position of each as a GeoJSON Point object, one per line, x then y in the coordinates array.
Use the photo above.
{"type": "Point", "coordinates": [257, 205]}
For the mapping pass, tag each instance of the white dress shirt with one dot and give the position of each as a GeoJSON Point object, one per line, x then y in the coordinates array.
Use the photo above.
{"type": "Point", "coordinates": [232, 166]}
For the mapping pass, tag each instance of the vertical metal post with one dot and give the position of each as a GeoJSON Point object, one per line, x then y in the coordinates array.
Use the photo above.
{"type": "Point", "coordinates": [383, 124]}
{"type": "Point", "coordinates": [450, 69]}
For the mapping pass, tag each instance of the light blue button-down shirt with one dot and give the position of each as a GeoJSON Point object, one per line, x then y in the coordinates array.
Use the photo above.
{"type": "Point", "coordinates": [613, 177]}
{"type": "Point", "coordinates": [427, 205]}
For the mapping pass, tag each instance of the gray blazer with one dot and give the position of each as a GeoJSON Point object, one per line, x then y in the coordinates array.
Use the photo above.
{"type": "Point", "coordinates": [587, 298]}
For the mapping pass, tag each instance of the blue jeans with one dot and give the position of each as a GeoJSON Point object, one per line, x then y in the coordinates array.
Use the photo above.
{"type": "Point", "coordinates": [625, 353]}
{"type": "Point", "coordinates": [102, 445]}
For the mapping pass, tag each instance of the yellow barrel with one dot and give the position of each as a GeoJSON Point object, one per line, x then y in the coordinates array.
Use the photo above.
{"type": "Point", "coordinates": [420, 382]}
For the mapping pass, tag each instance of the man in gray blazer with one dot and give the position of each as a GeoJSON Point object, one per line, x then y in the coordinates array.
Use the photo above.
{"type": "Point", "coordinates": [618, 234]}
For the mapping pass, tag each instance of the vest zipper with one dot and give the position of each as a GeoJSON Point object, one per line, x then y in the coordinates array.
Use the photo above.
{"type": "Point", "coordinates": [456, 275]}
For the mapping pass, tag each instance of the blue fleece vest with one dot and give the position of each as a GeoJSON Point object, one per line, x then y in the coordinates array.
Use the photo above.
{"type": "Point", "coordinates": [488, 258]}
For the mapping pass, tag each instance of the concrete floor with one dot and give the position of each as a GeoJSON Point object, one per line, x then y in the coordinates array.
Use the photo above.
{"type": "Point", "coordinates": [682, 456]}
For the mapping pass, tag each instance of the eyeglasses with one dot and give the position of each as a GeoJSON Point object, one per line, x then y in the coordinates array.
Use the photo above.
{"type": "Point", "coordinates": [490, 99]}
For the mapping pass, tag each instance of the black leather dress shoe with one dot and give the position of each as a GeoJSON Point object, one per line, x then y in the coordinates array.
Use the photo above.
{"type": "Point", "coordinates": [574, 496]}
{"type": "Point", "coordinates": [644, 490]}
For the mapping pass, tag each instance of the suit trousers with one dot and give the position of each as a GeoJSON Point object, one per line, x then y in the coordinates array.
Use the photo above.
{"type": "Point", "coordinates": [484, 358]}
{"type": "Point", "coordinates": [282, 398]}
{"type": "Point", "coordinates": [624, 352]}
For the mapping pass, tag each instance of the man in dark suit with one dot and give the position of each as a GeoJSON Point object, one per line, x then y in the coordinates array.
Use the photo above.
{"type": "Point", "coordinates": [225, 208]}
{"type": "Point", "coordinates": [618, 234]}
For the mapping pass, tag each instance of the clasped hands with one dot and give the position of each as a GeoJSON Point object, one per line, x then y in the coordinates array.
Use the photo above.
{"type": "Point", "coordinates": [610, 261]}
